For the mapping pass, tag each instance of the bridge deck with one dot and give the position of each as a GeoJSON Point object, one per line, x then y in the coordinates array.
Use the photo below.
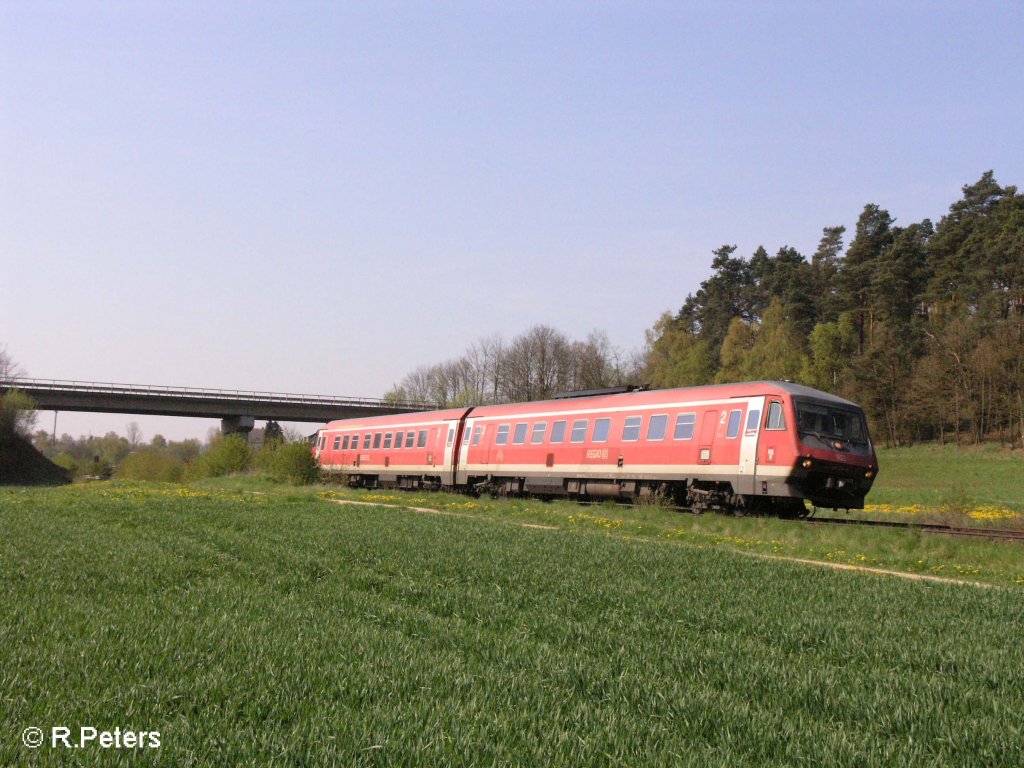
{"type": "Point", "coordinates": [101, 397]}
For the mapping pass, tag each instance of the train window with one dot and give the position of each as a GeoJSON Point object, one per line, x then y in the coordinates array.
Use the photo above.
{"type": "Point", "coordinates": [735, 419]}
{"type": "Point", "coordinates": [631, 429]}
{"type": "Point", "coordinates": [355, 442]}
{"type": "Point", "coordinates": [410, 439]}
{"type": "Point", "coordinates": [752, 418]}
{"type": "Point", "coordinates": [376, 440]}
{"type": "Point", "coordinates": [478, 432]}
{"type": "Point", "coordinates": [656, 427]}
{"type": "Point", "coordinates": [558, 432]}
{"type": "Point", "coordinates": [579, 431]}
{"type": "Point", "coordinates": [502, 437]}
{"type": "Point", "coordinates": [387, 441]}
{"type": "Point", "coordinates": [366, 442]}
{"type": "Point", "coordinates": [684, 426]}
{"type": "Point", "coordinates": [821, 420]}
{"type": "Point", "coordinates": [519, 435]}
{"type": "Point", "coordinates": [337, 443]}
{"type": "Point", "coordinates": [465, 435]}
{"type": "Point", "coordinates": [421, 440]}
{"type": "Point", "coordinates": [601, 429]}
{"type": "Point", "coordinates": [451, 436]}
{"type": "Point", "coordinates": [399, 437]}
{"type": "Point", "coordinates": [344, 443]}
{"type": "Point", "coordinates": [776, 418]}
{"type": "Point", "coordinates": [322, 441]}
{"type": "Point", "coordinates": [537, 436]}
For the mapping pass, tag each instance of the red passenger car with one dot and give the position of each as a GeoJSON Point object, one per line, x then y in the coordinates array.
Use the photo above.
{"type": "Point", "coordinates": [409, 450]}
{"type": "Point", "coordinates": [756, 446]}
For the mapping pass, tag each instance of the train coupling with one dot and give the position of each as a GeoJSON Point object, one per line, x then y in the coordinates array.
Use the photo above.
{"type": "Point", "coordinates": [835, 483]}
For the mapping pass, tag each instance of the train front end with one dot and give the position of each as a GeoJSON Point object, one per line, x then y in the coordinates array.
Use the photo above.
{"type": "Point", "coordinates": [836, 463]}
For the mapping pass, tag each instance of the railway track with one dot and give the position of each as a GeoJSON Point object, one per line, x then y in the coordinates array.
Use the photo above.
{"type": "Point", "coordinates": [1003, 534]}
{"type": "Point", "coordinates": [999, 534]}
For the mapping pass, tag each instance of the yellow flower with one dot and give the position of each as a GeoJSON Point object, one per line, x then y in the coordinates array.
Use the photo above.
{"type": "Point", "coordinates": [992, 512]}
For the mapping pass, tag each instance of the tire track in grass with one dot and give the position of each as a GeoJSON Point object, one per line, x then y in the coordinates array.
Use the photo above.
{"type": "Point", "coordinates": [760, 555]}
{"type": "Point", "coordinates": [867, 569]}
{"type": "Point", "coordinates": [449, 513]}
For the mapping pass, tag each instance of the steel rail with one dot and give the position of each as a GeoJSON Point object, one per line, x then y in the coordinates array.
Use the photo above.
{"type": "Point", "coordinates": [1006, 534]}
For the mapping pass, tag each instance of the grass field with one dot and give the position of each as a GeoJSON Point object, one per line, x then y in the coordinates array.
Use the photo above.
{"type": "Point", "coordinates": [251, 625]}
{"type": "Point", "coordinates": [984, 483]}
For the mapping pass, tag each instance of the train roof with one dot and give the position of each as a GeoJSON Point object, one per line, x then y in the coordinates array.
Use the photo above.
{"type": "Point", "coordinates": [679, 394]}
{"type": "Point", "coordinates": [606, 400]}
{"type": "Point", "coordinates": [799, 390]}
{"type": "Point", "coordinates": [411, 419]}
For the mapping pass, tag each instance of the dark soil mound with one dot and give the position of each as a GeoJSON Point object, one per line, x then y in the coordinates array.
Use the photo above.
{"type": "Point", "coordinates": [21, 464]}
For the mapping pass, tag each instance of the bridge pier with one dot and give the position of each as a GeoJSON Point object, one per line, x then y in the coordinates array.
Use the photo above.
{"type": "Point", "coordinates": [237, 425]}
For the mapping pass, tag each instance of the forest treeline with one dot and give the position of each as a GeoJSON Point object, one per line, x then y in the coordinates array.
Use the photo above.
{"type": "Point", "coordinates": [922, 324]}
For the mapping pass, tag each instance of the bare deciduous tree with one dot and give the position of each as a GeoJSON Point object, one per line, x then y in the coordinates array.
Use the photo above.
{"type": "Point", "coordinates": [9, 370]}
{"type": "Point", "coordinates": [535, 365]}
{"type": "Point", "coordinates": [134, 434]}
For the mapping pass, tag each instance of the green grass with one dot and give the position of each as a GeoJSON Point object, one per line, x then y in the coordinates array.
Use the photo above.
{"type": "Point", "coordinates": [910, 551]}
{"type": "Point", "coordinates": [278, 628]}
{"type": "Point", "coordinates": [933, 477]}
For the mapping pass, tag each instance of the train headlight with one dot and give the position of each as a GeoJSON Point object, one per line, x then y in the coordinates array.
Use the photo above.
{"type": "Point", "coordinates": [869, 474]}
{"type": "Point", "coordinates": [806, 463]}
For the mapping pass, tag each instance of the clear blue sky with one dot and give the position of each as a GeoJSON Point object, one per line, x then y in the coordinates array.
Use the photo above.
{"type": "Point", "coordinates": [319, 197]}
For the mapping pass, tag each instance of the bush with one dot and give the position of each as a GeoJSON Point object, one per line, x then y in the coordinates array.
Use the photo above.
{"type": "Point", "coordinates": [289, 463]}
{"type": "Point", "coordinates": [17, 414]}
{"type": "Point", "coordinates": [85, 469]}
{"type": "Point", "coordinates": [228, 455]}
{"type": "Point", "coordinates": [151, 465]}
{"type": "Point", "coordinates": [67, 461]}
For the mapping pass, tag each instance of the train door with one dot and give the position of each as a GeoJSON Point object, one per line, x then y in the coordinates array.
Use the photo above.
{"type": "Point", "coordinates": [748, 447]}
{"type": "Point", "coordinates": [775, 444]}
{"type": "Point", "coordinates": [707, 435]}
{"type": "Point", "coordinates": [467, 433]}
{"type": "Point", "coordinates": [485, 445]}
{"type": "Point", "coordinates": [450, 431]}
{"type": "Point", "coordinates": [346, 452]}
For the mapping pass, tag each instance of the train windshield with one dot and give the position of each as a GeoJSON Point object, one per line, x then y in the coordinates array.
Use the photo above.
{"type": "Point", "coordinates": [830, 422]}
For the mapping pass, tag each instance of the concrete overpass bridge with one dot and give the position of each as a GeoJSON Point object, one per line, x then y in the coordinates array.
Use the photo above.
{"type": "Point", "coordinates": [238, 410]}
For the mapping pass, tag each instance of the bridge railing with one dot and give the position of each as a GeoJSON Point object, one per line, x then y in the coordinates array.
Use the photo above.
{"type": "Point", "coordinates": [65, 385]}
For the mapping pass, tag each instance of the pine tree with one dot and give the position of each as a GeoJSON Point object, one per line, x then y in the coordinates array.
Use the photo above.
{"type": "Point", "coordinates": [824, 268]}
{"type": "Point", "coordinates": [720, 298]}
{"type": "Point", "coordinates": [957, 251]}
{"type": "Point", "coordinates": [873, 236]}
{"type": "Point", "coordinates": [900, 276]}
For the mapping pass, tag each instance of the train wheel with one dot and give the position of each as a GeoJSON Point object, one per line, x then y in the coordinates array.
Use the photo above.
{"type": "Point", "coordinates": [750, 505]}
{"type": "Point", "coordinates": [791, 509]}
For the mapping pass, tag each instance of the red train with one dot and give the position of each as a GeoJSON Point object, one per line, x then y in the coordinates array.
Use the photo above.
{"type": "Point", "coordinates": [763, 446]}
